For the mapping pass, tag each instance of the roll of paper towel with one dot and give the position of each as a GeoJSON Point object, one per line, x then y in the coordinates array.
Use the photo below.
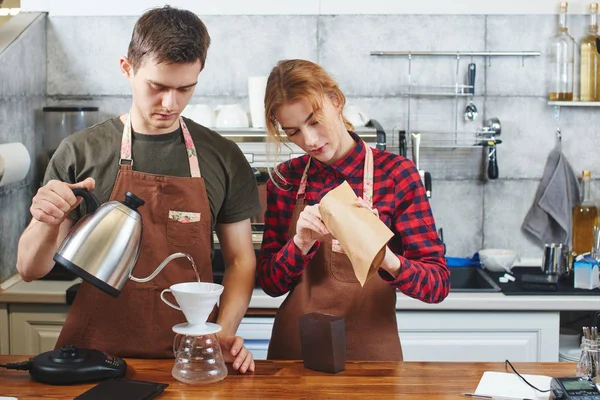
{"type": "Point", "coordinates": [14, 163]}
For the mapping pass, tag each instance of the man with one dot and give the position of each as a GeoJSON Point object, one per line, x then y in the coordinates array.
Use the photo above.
{"type": "Point", "coordinates": [179, 168]}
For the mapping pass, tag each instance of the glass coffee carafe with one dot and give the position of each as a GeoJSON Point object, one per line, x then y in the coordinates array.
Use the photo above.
{"type": "Point", "coordinates": [198, 359]}
{"type": "Point", "coordinates": [198, 356]}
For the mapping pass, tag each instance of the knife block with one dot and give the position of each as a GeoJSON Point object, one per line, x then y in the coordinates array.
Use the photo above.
{"type": "Point", "coordinates": [323, 340]}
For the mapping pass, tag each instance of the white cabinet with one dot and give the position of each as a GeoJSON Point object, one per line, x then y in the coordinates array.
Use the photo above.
{"type": "Point", "coordinates": [34, 328]}
{"type": "Point", "coordinates": [28, 329]}
{"type": "Point", "coordinates": [4, 334]}
{"type": "Point", "coordinates": [256, 332]}
{"type": "Point", "coordinates": [452, 335]}
{"type": "Point", "coordinates": [479, 336]}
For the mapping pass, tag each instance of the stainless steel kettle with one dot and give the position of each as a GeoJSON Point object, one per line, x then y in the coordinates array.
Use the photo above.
{"type": "Point", "coordinates": [104, 245]}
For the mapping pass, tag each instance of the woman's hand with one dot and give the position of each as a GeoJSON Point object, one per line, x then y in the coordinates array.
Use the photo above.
{"type": "Point", "coordinates": [390, 262]}
{"type": "Point", "coordinates": [364, 204]}
{"type": "Point", "coordinates": [309, 228]}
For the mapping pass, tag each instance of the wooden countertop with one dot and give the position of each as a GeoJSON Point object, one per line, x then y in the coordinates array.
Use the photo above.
{"type": "Point", "coordinates": [290, 380]}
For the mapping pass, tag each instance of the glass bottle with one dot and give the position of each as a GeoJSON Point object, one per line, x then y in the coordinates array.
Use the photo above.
{"type": "Point", "coordinates": [590, 60]}
{"type": "Point", "coordinates": [589, 362]}
{"type": "Point", "coordinates": [561, 61]}
{"type": "Point", "coordinates": [584, 219]}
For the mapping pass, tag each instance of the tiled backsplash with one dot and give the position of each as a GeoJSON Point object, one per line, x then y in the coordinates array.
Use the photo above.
{"type": "Point", "coordinates": [82, 68]}
{"type": "Point", "coordinates": [22, 96]}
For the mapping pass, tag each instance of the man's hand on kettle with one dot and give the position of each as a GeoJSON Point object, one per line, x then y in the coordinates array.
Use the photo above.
{"type": "Point", "coordinates": [235, 352]}
{"type": "Point", "coordinates": [309, 228]}
{"type": "Point", "coordinates": [53, 201]}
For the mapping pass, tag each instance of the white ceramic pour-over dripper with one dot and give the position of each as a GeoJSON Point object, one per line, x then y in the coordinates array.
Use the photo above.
{"type": "Point", "coordinates": [196, 300]}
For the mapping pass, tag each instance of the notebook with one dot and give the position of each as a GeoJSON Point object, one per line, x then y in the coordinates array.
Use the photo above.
{"type": "Point", "coordinates": [510, 385]}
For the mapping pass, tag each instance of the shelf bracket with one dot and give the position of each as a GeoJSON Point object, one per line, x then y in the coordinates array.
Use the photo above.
{"type": "Point", "coordinates": [556, 113]}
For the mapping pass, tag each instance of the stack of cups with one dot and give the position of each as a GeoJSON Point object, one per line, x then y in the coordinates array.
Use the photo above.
{"type": "Point", "coordinates": [256, 99]}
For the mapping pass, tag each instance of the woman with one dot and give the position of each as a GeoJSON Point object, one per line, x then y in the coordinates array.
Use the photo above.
{"type": "Point", "coordinates": [298, 254]}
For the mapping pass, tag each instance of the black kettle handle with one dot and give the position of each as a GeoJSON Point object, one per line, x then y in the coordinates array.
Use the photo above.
{"type": "Point", "coordinates": [91, 202]}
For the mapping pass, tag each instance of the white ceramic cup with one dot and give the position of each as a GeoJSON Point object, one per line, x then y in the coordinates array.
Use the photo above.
{"type": "Point", "coordinates": [231, 116]}
{"type": "Point", "coordinates": [355, 116]}
{"type": "Point", "coordinates": [256, 99]}
{"type": "Point", "coordinates": [200, 113]}
{"type": "Point", "coordinates": [196, 300]}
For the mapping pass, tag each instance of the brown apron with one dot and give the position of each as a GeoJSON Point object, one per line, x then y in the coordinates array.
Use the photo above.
{"type": "Point", "coordinates": [328, 285]}
{"type": "Point", "coordinates": [176, 218]}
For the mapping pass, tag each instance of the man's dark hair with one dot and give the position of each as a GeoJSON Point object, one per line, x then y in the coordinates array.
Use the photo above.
{"type": "Point", "coordinates": [169, 35]}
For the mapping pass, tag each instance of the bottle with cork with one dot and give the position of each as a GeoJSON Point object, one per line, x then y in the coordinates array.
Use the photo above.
{"type": "Point", "coordinates": [584, 218]}
{"type": "Point", "coordinates": [561, 60]}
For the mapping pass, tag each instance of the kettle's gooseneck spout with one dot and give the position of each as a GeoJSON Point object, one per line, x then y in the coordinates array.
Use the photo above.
{"type": "Point", "coordinates": [159, 268]}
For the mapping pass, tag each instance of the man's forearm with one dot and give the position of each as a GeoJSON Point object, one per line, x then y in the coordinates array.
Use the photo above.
{"type": "Point", "coordinates": [238, 282]}
{"type": "Point", "coordinates": [36, 249]}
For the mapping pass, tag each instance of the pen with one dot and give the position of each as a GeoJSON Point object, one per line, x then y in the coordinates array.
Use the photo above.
{"type": "Point", "coordinates": [483, 396]}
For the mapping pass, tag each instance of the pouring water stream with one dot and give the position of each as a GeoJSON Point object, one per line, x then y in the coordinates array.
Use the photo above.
{"type": "Point", "coordinates": [163, 264]}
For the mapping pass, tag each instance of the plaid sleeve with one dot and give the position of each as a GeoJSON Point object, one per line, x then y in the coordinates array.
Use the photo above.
{"type": "Point", "coordinates": [280, 262]}
{"type": "Point", "coordinates": [423, 271]}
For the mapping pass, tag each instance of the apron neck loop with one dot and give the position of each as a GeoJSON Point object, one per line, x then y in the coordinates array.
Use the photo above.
{"type": "Point", "coordinates": [303, 181]}
{"type": "Point", "coordinates": [127, 159]}
{"type": "Point", "coordinates": [367, 178]}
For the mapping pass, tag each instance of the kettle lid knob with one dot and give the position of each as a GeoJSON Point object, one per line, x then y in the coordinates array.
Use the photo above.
{"type": "Point", "coordinates": [132, 201]}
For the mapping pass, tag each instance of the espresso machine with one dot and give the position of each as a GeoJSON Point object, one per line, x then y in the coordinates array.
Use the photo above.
{"type": "Point", "coordinates": [60, 122]}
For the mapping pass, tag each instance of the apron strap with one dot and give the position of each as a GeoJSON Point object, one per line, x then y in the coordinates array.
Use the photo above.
{"type": "Point", "coordinates": [303, 181]}
{"type": "Point", "coordinates": [126, 158]}
{"type": "Point", "coordinates": [368, 176]}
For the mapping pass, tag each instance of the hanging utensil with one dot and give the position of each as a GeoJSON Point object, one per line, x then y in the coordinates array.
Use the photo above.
{"type": "Point", "coordinates": [492, 129]}
{"type": "Point", "coordinates": [416, 144]}
{"type": "Point", "coordinates": [471, 111]}
{"type": "Point", "coordinates": [425, 176]}
{"type": "Point", "coordinates": [402, 143]}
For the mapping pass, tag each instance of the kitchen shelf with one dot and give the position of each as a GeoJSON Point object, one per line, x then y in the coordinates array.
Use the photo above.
{"type": "Point", "coordinates": [574, 103]}
{"type": "Point", "coordinates": [558, 104]}
{"type": "Point", "coordinates": [247, 134]}
{"type": "Point", "coordinates": [456, 90]}
{"type": "Point", "coordinates": [459, 53]}
{"type": "Point", "coordinates": [438, 144]}
{"type": "Point", "coordinates": [460, 140]}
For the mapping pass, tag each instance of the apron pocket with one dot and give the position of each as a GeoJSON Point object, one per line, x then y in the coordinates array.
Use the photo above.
{"type": "Point", "coordinates": [341, 267]}
{"type": "Point", "coordinates": [183, 228]}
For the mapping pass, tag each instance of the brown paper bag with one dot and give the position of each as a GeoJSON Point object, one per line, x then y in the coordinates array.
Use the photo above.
{"type": "Point", "coordinates": [361, 234]}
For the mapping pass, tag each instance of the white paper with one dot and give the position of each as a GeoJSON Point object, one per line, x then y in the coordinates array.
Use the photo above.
{"type": "Point", "coordinates": [510, 385]}
{"type": "Point", "coordinates": [14, 163]}
{"type": "Point", "coordinates": [256, 99]}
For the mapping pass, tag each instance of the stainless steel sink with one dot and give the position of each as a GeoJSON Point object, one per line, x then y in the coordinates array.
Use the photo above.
{"type": "Point", "coordinates": [471, 279]}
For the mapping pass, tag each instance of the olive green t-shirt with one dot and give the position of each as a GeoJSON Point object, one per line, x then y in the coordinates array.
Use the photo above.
{"type": "Point", "coordinates": [95, 152]}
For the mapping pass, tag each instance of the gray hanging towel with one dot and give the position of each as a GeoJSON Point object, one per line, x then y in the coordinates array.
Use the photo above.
{"type": "Point", "coordinates": [549, 218]}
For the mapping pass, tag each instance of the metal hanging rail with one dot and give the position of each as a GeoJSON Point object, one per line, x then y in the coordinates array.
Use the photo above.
{"type": "Point", "coordinates": [459, 53]}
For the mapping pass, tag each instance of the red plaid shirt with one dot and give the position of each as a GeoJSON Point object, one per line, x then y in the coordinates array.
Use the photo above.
{"type": "Point", "coordinates": [398, 195]}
